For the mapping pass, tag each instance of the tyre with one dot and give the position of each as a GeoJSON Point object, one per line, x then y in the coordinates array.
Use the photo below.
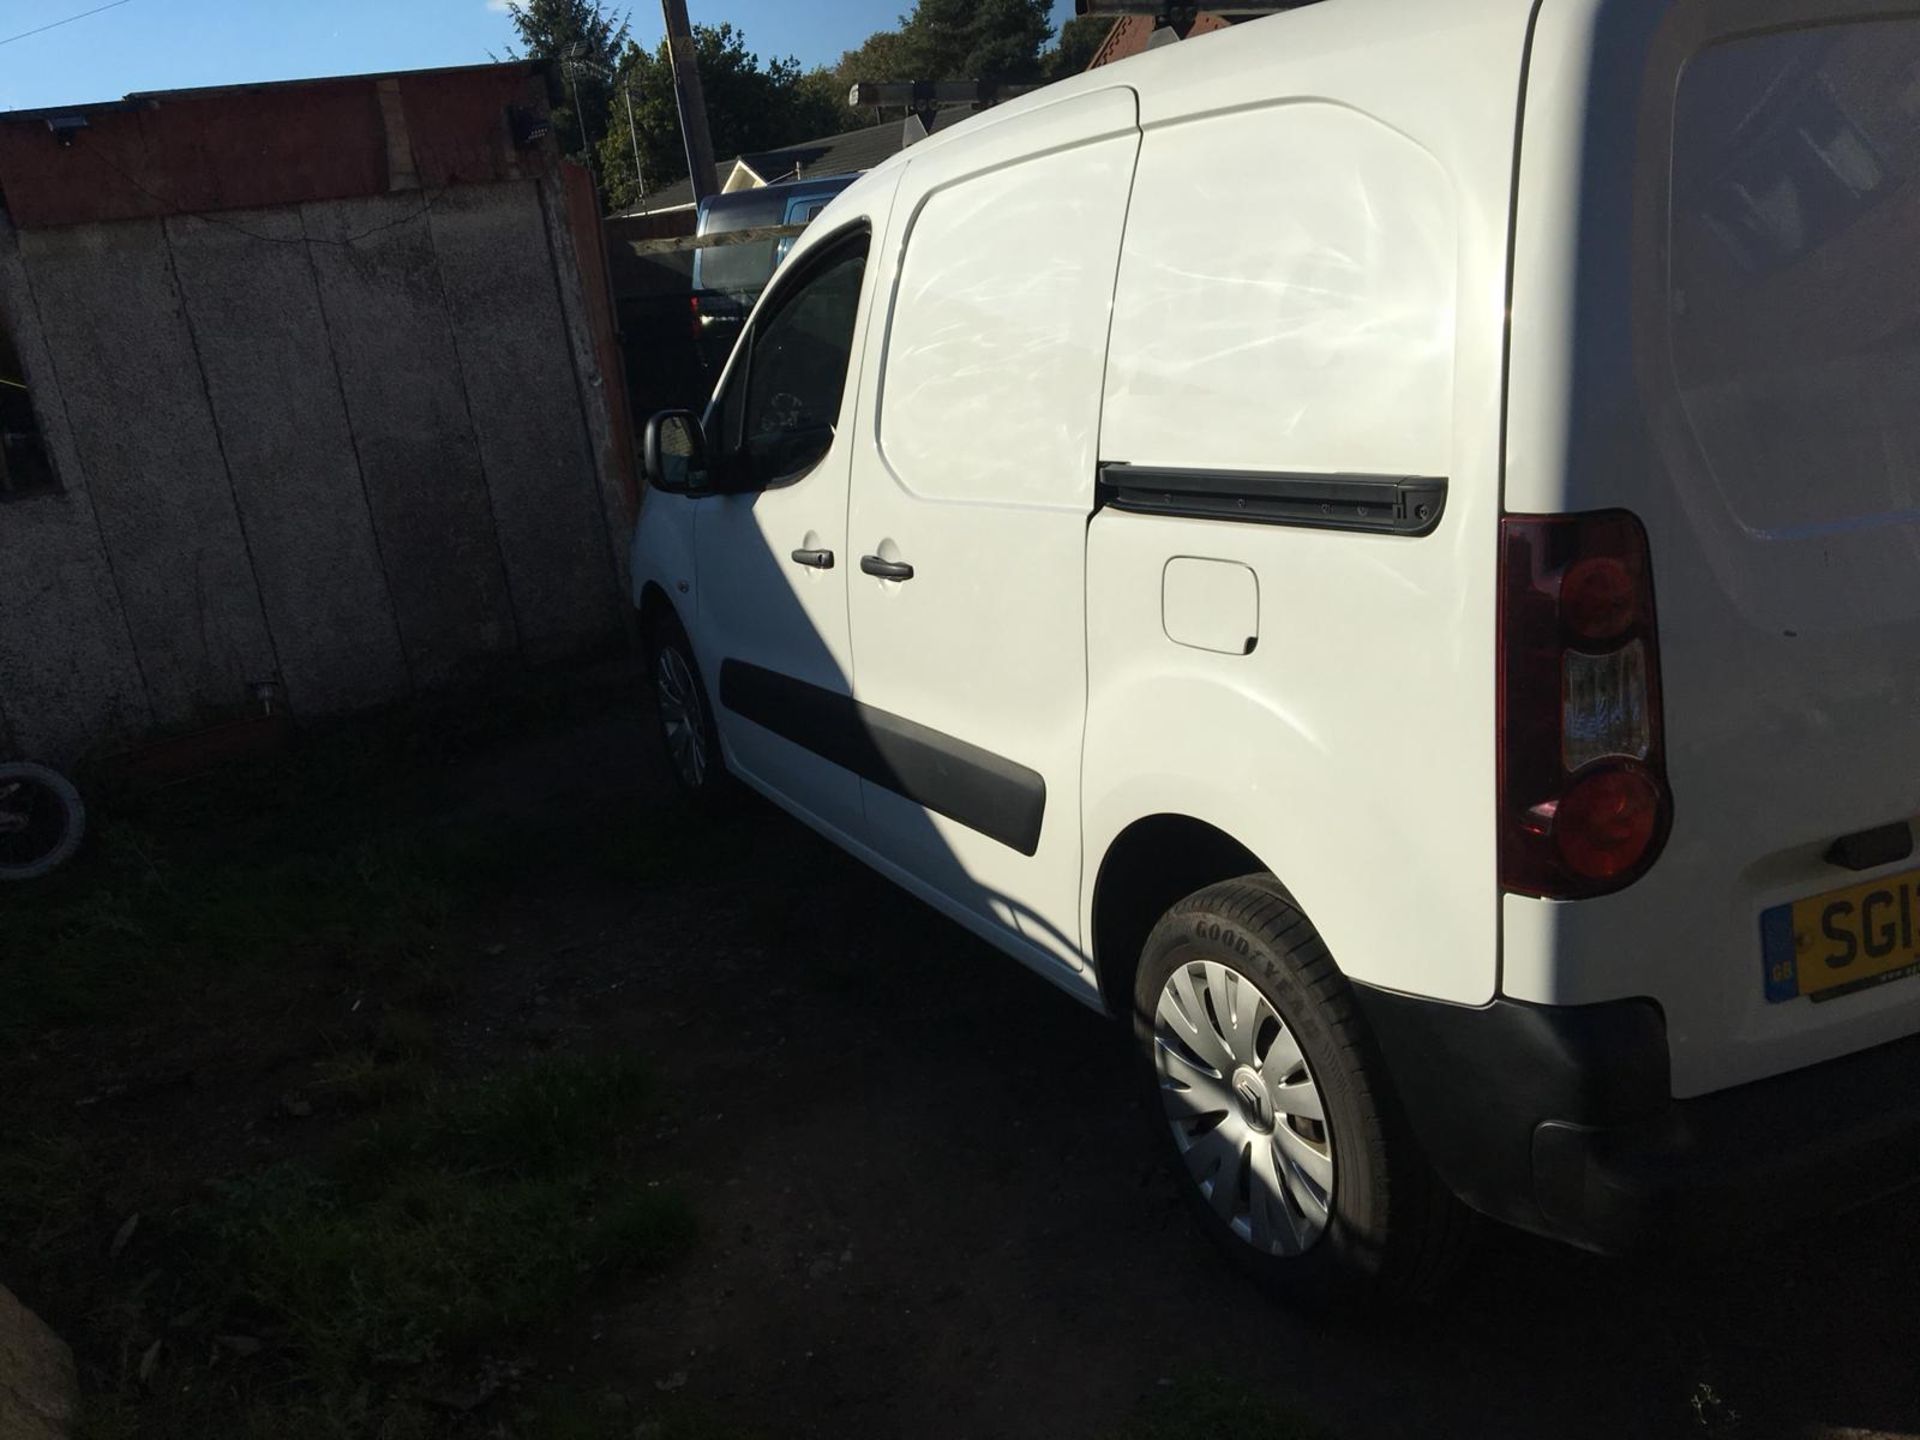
{"type": "Point", "coordinates": [1283, 1130]}
{"type": "Point", "coordinates": [685, 718]}
{"type": "Point", "coordinates": [41, 820]}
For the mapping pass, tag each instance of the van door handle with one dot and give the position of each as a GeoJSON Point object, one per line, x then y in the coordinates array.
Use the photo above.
{"type": "Point", "coordinates": [886, 569]}
{"type": "Point", "coordinates": [817, 559]}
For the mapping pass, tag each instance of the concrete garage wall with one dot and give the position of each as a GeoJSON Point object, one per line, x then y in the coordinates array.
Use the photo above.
{"type": "Point", "coordinates": [353, 445]}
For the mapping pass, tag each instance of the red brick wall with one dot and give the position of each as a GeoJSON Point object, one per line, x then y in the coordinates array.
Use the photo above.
{"type": "Point", "coordinates": [247, 147]}
{"type": "Point", "coordinates": [1130, 32]}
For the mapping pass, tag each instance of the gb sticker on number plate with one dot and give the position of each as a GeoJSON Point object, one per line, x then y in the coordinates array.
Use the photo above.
{"type": "Point", "coordinates": [1845, 940]}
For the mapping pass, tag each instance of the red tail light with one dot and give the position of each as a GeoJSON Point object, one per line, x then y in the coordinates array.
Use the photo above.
{"type": "Point", "coordinates": [1584, 803]}
{"type": "Point", "coordinates": [693, 316]}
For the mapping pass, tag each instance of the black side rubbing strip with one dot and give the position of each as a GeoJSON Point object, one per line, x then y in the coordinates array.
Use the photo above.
{"type": "Point", "coordinates": [1376, 504]}
{"type": "Point", "coordinates": [1001, 799]}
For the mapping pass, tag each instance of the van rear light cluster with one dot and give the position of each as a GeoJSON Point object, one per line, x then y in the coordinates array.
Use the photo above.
{"type": "Point", "coordinates": [1584, 803]}
{"type": "Point", "coordinates": [693, 317]}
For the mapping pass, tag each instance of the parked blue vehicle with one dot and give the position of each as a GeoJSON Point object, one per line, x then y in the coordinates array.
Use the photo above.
{"type": "Point", "coordinates": [727, 279]}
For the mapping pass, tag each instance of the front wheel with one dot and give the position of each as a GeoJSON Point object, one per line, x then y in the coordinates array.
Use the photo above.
{"type": "Point", "coordinates": [687, 730]}
{"type": "Point", "coordinates": [41, 820]}
{"type": "Point", "coordinates": [1282, 1127]}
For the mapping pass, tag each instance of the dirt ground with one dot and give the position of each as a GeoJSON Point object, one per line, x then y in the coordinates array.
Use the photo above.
{"type": "Point", "coordinates": [927, 1196]}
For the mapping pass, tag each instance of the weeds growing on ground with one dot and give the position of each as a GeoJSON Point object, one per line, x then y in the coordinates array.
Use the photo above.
{"type": "Point", "coordinates": [1206, 1407]}
{"type": "Point", "coordinates": [321, 1298]}
{"type": "Point", "coordinates": [445, 1218]}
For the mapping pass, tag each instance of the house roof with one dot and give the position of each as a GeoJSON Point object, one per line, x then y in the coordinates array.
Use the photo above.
{"type": "Point", "coordinates": [843, 154]}
{"type": "Point", "coordinates": [679, 194]}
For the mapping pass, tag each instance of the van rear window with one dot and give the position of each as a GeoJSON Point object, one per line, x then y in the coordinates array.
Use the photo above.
{"type": "Point", "coordinates": [1793, 296]}
{"type": "Point", "coordinates": [741, 270]}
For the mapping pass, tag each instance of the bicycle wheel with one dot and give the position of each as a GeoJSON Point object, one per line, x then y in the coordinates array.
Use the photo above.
{"type": "Point", "coordinates": [41, 820]}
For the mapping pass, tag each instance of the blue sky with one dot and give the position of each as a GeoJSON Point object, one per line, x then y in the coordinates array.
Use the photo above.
{"type": "Point", "coordinates": [170, 44]}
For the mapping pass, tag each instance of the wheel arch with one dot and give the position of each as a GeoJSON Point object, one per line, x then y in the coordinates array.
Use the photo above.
{"type": "Point", "coordinates": [1153, 863]}
{"type": "Point", "coordinates": [655, 605]}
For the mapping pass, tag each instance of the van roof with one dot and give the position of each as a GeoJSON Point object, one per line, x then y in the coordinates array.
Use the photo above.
{"type": "Point", "coordinates": [1165, 76]}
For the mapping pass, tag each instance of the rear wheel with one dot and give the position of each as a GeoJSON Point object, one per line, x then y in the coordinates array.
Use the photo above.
{"type": "Point", "coordinates": [687, 732]}
{"type": "Point", "coordinates": [1282, 1129]}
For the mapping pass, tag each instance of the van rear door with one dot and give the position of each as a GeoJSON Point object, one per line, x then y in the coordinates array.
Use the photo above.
{"type": "Point", "coordinates": [1756, 401]}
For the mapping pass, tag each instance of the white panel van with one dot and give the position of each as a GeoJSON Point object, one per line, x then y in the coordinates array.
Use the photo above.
{"type": "Point", "coordinates": [1382, 548]}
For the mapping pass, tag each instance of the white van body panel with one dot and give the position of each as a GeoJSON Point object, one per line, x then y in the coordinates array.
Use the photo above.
{"type": "Point", "coordinates": [1786, 565]}
{"type": "Point", "coordinates": [661, 552]}
{"type": "Point", "coordinates": [1043, 961]}
{"type": "Point", "coordinates": [974, 462]}
{"type": "Point", "coordinates": [1313, 282]}
{"type": "Point", "coordinates": [1304, 293]}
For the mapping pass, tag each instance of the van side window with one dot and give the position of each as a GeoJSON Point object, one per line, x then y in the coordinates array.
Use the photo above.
{"type": "Point", "coordinates": [991, 391]}
{"type": "Point", "coordinates": [776, 417]}
{"type": "Point", "coordinates": [1793, 309]}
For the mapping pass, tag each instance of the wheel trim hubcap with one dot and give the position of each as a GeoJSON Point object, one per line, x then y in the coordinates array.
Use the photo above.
{"type": "Point", "coordinates": [1244, 1109]}
{"type": "Point", "coordinates": [681, 716]}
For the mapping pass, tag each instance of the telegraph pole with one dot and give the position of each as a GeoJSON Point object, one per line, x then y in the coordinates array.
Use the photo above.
{"type": "Point", "coordinates": [689, 97]}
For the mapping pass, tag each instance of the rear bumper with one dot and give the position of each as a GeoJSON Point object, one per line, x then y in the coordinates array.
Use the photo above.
{"type": "Point", "coordinates": [1560, 1120]}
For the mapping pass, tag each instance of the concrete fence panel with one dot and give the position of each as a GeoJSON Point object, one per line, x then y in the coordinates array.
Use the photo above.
{"type": "Point", "coordinates": [386, 312]}
{"type": "Point", "coordinates": [132, 389]}
{"type": "Point", "coordinates": [68, 674]}
{"type": "Point", "coordinates": [511, 336]}
{"type": "Point", "coordinates": [254, 310]}
{"type": "Point", "coordinates": [343, 412]}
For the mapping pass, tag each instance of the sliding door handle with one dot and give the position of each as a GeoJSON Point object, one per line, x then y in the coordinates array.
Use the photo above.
{"type": "Point", "coordinates": [816, 559]}
{"type": "Point", "coordinates": [886, 569]}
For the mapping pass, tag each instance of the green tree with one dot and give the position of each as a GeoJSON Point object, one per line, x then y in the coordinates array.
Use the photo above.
{"type": "Point", "coordinates": [974, 40]}
{"type": "Point", "coordinates": [883, 55]}
{"type": "Point", "coordinates": [1080, 39]}
{"type": "Point", "coordinates": [751, 106]}
{"type": "Point", "coordinates": [584, 40]}
{"type": "Point", "coordinates": [977, 39]}
{"type": "Point", "coordinates": [827, 91]}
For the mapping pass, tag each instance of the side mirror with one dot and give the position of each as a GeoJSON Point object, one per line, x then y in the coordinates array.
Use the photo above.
{"type": "Point", "coordinates": [673, 456]}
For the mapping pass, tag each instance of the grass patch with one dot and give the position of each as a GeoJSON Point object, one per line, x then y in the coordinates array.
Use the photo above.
{"type": "Point", "coordinates": [140, 916]}
{"type": "Point", "coordinates": [314, 1299]}
{"type": "Point", "coordinates": [433, 1225]}
{"type": "Point", "coordinates": [1205, 1407]}
{"type": "Point", "coordinates": [363, 1079]}
{"type": "Point", "coordinates": [560, 1413]}
{"type": "Point", "coordinates": [329, 846]}
{"type": "Point", "coordinates": [45, 1186]}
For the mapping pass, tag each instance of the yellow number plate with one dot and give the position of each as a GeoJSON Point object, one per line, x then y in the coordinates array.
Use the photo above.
{"type": "Point", "coordinates": [1844, 940]}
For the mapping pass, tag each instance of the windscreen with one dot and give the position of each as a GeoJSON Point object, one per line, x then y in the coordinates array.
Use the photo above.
{"type": "Point", "coordinates": [1794, 295]}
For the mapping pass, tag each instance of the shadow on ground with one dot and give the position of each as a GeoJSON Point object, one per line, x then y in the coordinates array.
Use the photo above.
{"type": "Point", "coordinates": [927, 1195]}
{"type": "Point", "coordinates": [933, 1208]}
